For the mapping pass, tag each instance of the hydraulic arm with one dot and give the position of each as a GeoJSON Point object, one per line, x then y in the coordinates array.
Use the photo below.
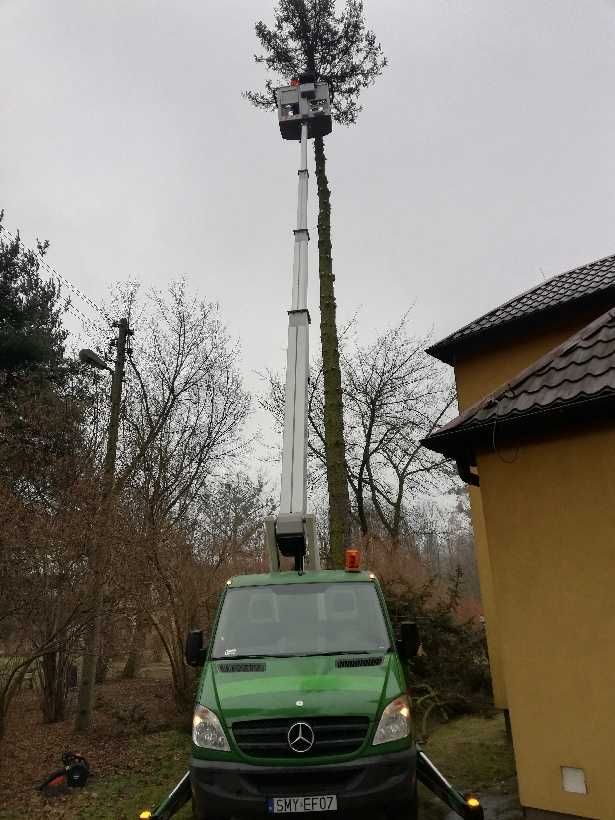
{"type": "Point", "coordinates": [290, 532]}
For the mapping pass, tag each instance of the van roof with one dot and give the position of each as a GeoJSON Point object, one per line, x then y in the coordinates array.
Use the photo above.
{"type": "Point", "coordinates": [292, 577]}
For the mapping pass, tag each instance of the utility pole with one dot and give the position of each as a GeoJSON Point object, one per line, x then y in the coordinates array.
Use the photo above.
{"type": "Point", "coordinates": [99, 552]}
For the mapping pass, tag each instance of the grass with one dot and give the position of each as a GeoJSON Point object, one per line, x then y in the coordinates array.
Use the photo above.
{"type": "Point", "coordinates": [8, 661]}
{"type": "Point", "coordinates": [474, 751]}
{"type": "Point", "coordinates": [474, 754]}
{"type": "Point", "coordinates": [123, 796]}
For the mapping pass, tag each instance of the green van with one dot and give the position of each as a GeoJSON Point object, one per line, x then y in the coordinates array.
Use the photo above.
{"type": "Point", "coordinates": [302, 704]}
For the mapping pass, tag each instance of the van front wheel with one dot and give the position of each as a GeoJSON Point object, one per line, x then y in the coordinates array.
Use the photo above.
{"type": "Point", "coordinates": [404, 811]}
{"type": "Point", "coordinates": [196, 815]}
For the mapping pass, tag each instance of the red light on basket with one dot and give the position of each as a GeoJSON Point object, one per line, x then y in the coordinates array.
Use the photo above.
{"type": "Point", "coordinates": [353, 561]}
{"type": "Point", "coordinates": [294, 82]}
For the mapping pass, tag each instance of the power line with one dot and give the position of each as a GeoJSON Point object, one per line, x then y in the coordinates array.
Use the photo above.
{"type": "Point", "coordinates": [68, 283]}
{"type": "Point", "coordinates": [86, 322]}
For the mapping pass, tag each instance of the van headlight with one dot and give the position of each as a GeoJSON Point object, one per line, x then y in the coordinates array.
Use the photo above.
{"type": "Point", "coordinates": [395, 721]}
{"type": "Point", "coordinates": [207, 731]}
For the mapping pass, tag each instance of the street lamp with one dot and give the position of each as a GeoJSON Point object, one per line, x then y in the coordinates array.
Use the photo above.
{"type": "Point", "coordinates": [87, 356]}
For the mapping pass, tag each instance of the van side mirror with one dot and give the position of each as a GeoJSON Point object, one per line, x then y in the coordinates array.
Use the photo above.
{"type": "Point", "coordinates": [410, 641]}
{"type": "Point", "coordinates": [196, 649]}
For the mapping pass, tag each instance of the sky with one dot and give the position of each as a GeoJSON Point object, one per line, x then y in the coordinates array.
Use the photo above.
{"type": "Point", "coordinates": [482, 163]}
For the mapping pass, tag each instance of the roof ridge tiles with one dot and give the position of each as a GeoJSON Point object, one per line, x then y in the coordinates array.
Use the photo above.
{"type": "Point", "coordinates": [573, 285]}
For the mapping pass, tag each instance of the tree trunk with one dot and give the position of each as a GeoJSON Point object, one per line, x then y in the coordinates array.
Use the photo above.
{"type": "Point", "coordinates": [103, 663]}
{"type": "Point", "coordinates": [52, 670]}
{"type": "Point", "coordinates": [10, 687]}
{"type": "Point", "coordinates": [339, 499]}
{"type": "Point", "coordinates": [137, 644]}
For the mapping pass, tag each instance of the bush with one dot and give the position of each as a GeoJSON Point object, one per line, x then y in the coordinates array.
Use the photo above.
{"type": "Point", "coordinates": [451, 673]}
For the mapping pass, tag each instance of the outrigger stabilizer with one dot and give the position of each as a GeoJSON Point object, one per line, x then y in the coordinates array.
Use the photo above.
{"type": "Point", "coordinates": [172, 803]}
{"type": "Point", "coordinates": [466, 806]}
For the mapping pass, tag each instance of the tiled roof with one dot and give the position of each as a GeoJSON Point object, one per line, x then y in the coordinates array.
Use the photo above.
{"type": "Point", "coordinates": [579, 370]}
{"type": "Point", "coordinates": [571, 286]}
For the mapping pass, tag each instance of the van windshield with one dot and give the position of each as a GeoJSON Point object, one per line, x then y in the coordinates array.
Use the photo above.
{"type": "Point", "coordinates": [300, 619]}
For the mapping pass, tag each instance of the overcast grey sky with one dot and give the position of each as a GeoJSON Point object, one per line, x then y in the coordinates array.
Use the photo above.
{"type": "Point", "coordinates": [483, 161]}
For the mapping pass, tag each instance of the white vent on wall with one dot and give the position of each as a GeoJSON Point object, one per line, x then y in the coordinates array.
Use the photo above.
{"type": "Point", "coordinates": [573, 780]}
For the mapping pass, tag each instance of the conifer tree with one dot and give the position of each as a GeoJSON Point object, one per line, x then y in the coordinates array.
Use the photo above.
{"type": "Point", "coordinates": [31, 334]}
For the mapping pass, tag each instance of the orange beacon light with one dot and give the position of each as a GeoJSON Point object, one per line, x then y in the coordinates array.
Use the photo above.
{"type": "Point", "coordinates": [353, 561]}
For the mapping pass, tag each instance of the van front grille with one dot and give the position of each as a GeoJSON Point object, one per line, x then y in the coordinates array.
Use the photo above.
{"type": "Point", "coordinates": [332, 736]}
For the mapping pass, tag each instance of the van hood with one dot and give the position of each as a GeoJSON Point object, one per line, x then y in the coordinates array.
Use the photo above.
{"type": "Point", "coordinates": [309, 686]}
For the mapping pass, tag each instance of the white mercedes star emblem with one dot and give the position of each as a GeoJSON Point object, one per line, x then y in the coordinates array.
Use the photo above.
{"type": "Point", "coordinates": [301, 737]}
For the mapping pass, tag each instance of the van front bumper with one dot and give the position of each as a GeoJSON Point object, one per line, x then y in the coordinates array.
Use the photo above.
{"type": "Point", "coordinates": [363, 785]}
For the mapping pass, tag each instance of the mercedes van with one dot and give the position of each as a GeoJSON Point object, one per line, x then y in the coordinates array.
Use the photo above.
{"type": "Point", "coordinates": [302, 705]}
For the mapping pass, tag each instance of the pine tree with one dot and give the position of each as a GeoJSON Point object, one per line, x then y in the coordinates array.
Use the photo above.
{"type": "Point", "coordinates": [311, 35]}
{"type": "Point", "coordinates": [31, 333]}
{"type": "Point", "coordinates": [38, 420]}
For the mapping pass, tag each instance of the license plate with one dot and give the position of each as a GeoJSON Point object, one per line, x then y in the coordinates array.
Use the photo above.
{"type": "Point", "coordinates": [294, 805]}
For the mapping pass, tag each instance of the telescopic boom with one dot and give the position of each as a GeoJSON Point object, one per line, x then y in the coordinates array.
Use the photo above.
{"type": "Point", "coordinates": [303, 112]}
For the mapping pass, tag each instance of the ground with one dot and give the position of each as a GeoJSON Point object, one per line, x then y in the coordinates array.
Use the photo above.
{"type": "Point", "coordinates": [138, 750]}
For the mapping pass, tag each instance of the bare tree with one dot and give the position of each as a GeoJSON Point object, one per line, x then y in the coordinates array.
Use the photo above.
{"type": "Point", "coordinates": [446, 539]}
{"type": "Point", "coordinates": [394, 395]}
{"type": "Point", "coordinates": [183, 426]}
{"type": "Point", "coordinates": [231, 522]}
{"type": "Point", "coordinates": [44, 604]}
{"type": "Point", "coordinates": [48, 490]}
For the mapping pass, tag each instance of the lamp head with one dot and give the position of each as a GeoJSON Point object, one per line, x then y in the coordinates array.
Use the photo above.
{"type": "Point", "coordinates": [92, 359]}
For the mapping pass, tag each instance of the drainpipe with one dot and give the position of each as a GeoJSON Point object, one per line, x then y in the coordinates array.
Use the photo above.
{"type": "Point", "coordinates": [465, 471]}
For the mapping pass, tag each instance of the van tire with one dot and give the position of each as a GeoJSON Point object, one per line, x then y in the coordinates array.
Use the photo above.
{"type": "Point", "coordinates": [404, 811]}
{"type": "Point", "coordinates": [197, 816]}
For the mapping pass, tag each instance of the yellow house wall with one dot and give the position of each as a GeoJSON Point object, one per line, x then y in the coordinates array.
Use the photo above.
{"type": "Point", "coordinates": [476, 376]}
{"type": "Point", "coordinates": [550, 519]}
{"type": "Point", "coordinates": [483, 563]}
